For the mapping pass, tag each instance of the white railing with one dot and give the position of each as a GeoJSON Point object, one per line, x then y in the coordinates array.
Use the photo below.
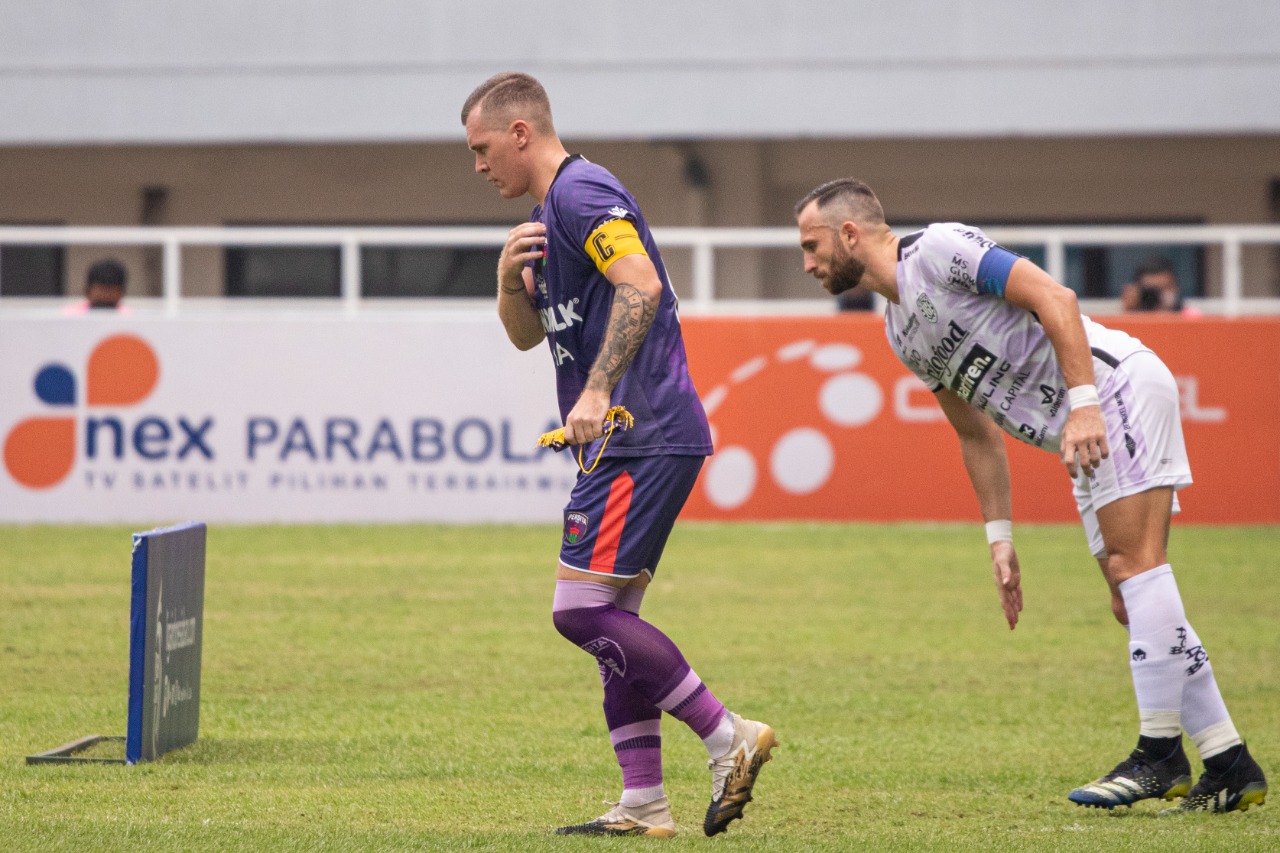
{"type": "Point", "coordinates": [701, 242]}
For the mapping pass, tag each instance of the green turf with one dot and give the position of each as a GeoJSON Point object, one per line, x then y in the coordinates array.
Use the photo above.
{"type": "Point", "coordinates": [401, 687]}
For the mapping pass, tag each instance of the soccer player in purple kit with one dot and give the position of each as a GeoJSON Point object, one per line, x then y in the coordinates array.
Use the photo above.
{"type": "Point", "coordinates": [1004, 347]}
{"type": "Point", "coordinates": [584, 275]}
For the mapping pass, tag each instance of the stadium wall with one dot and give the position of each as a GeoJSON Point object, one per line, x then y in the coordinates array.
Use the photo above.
{"type": "Point", "coordinates": [157, 72]}
{"type": "Point", "coordinates": [1203, 179]}
{"type": "Point", "coordinates": [433, 418]}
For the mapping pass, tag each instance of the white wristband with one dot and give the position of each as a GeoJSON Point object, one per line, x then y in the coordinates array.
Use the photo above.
{"type": "Point", "coordinates": [999, 531]}
{"type": "Point", "coordinates": [1082, 395]}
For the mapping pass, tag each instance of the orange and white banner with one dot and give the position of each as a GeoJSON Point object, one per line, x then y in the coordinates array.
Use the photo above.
{"type": "Point", "coordinates": [815, 418]}
{"type": "Point", "coordinates": [434, 419]}
{"type": "Point", "coordinates": [269, 418]}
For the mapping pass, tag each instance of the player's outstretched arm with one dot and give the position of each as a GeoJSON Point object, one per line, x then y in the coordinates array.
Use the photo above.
{"type": "Point", "coordinates": [1084, 438]}
{"type": "Point", "coordinates": [983, 451]}
{"type": "Point", "coordinates": [519, 317]}
{"type": "Point", "coordinates": [637, 290]}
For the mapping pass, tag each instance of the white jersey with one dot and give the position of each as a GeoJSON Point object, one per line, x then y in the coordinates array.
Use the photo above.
{"type": "Point", "coordinates": [953, 329]}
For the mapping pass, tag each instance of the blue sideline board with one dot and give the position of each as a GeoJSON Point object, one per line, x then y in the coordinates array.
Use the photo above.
{"type": "Point", "coordinates": [166, 627]}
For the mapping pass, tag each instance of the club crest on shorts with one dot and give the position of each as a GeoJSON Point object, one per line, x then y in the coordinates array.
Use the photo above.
{"type": "Point", "coordinates": [575, 527]}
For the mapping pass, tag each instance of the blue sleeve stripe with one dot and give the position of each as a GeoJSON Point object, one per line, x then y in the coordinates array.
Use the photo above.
{"type": "Point", "coordinates": [993, 270]}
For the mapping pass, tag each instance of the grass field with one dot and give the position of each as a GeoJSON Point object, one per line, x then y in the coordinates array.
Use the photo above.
{"type": "Point", "coordinates": [402, 688]}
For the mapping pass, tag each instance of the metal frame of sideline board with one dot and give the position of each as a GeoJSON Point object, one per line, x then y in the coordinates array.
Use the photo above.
{"type": "Point", "coordinates": [166, 633]}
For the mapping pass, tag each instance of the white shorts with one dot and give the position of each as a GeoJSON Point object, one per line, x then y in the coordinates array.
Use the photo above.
{"type": "Point", "coordinates": [1144, 433]}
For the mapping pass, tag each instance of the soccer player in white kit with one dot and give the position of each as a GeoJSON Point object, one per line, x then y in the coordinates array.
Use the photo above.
{"type": "Point", "coordinates": [1004, 347]}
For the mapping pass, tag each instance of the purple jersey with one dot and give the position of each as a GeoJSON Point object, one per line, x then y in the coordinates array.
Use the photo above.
{"type": "Point", "coordinates": [574, 300]}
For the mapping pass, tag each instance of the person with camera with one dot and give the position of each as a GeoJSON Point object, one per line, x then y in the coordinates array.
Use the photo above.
{"type": "Point", "coordinates": [1154, 288]}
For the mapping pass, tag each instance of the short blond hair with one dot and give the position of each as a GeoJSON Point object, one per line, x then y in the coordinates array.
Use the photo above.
{"type": "Point", "coordinates": [511, 95]}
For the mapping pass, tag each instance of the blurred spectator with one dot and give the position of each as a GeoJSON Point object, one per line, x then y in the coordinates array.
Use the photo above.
{"type": "Point", "coordinates": [1154, 288]}
{"type": "Point", "coordinates": [103, 288]}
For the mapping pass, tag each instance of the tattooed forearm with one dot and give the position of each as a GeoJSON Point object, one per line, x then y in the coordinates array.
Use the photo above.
{"type": "Point", "coordinates": [630, 317]}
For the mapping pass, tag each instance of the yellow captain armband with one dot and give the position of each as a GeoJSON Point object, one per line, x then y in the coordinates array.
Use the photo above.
{"type": "Point", "coordinates": [615, 239]}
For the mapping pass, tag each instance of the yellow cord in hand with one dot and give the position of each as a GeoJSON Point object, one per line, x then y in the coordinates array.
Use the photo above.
{"type": "Point", "coordinates": [616, 418]}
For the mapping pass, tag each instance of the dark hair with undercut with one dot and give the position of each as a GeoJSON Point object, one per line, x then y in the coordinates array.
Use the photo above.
{"type": "Point", "coordinates": [848, 198]}
{"type": "Point", "coordinates": [511, 95]}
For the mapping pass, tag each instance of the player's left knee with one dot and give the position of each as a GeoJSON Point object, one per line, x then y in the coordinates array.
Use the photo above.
{"type": "Point", "coordinates": [578, 625]}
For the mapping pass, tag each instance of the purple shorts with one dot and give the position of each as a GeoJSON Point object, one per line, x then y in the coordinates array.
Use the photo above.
{"type": "Point", "coordinates": [619, 516]}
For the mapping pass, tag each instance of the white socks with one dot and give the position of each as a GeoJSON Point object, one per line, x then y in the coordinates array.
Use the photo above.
{"type": "Point", "coordinates": [720, 741]}
{"type": "Point", "coordinates": [1172, 677]}
{"type": "Point", "coordinates": [632, 797]}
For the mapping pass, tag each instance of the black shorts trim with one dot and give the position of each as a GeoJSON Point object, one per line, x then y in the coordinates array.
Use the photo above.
{"type": "Point", "coordinates": [1105, 357]}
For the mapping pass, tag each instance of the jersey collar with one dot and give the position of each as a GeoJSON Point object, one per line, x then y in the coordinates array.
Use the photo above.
{"type": "Point", "coordinates": [563, 164]}
{"type": "Point", "coordinates": [903, 243]}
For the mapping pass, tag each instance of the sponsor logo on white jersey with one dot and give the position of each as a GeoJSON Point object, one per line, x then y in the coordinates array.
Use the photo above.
{"type": "Point", "coordinates": [940, 355]}
{"type": "Point", "coordinates": [926, 308]}
{"type": "Point", "coordinates": [975, 236]}
{"type": "Point", "coordinates": [971, 370]}
{"type": "Point", "coordinates": [960, 276]}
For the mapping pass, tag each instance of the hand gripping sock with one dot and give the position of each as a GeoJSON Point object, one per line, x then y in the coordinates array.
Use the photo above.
{"type": "Point", "coordinates": [1171, 672]}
